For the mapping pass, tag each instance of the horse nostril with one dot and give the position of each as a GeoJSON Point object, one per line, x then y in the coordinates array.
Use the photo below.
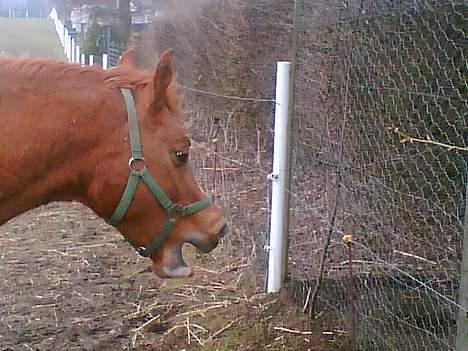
{"type": "Point", "coordinates": [224, 230]}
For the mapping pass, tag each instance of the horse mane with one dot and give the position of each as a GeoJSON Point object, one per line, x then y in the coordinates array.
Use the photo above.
{"type": "Point", "coordinates": [39, 70]}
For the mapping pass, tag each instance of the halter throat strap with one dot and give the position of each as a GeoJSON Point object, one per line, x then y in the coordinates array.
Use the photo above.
{"type": "Point", "coordinates": [174, 211]}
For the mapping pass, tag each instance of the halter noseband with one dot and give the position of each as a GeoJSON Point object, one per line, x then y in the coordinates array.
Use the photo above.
{"type": "Point", "coordinates": [174, 211]}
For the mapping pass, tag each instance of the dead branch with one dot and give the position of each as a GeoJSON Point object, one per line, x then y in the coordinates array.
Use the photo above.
{"type": "Point", "coordinates": [293, 331]}
{"type": "Point", "coordinates": [226, 327]}
{"type": "Point", "coordinates": [144, 325]}
{"type": "Point", "coordinates": [406, 138]}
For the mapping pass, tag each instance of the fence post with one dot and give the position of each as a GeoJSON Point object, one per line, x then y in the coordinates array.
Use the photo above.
{"type": "Point", "coordinates": [91, 60]}
{"type": "Point", "coordinates": [67, 41]}
{"type": "Point", "coordinates": [60, 32]}
{"type": "Point", "coordinates": [72, 50]}
{"type": "Point", "coordinates": [67, 45]}
{"type": "Point", "coordinates": [462, 323]}
{"type": "Point", "coordinates": [77, 54]}
{"type": "Point", "coordinates": [64, 36]}
{"type": "Point", "coordinates": [278, 246]}
{"type": "Point", "coordinates": [105, 61]}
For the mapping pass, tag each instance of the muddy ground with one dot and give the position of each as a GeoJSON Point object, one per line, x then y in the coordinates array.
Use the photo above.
{"type": "Point", "coordinates": [69, 282]}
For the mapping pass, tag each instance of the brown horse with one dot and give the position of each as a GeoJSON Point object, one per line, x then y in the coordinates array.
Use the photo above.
{"type": "Point", "coordinates": [112, 140]}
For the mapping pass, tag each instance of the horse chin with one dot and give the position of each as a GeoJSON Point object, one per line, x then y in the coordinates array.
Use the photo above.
{"type": "Point", "coordinates": [172, 265]}
{"type": "Point", "coordinates": [178, 272]}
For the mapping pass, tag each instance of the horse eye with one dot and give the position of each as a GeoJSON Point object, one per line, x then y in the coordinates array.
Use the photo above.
{"type": "Point", "coordinates": [181, 156]}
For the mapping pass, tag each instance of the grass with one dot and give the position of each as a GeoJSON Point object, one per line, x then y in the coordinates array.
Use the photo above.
{"type": "Point", "coordinates": [34, 37]}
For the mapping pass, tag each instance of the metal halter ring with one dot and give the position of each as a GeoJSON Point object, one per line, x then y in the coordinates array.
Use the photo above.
{"type": "Point", "coordinates": [175, 212]}
{"type": "Point", "coordinates": [141, 251]}
{"type": "Point", "coordinates": [131, 164]}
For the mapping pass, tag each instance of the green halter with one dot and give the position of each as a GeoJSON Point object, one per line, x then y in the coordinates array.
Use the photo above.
{"type": "Point", "coordinates": [174, 211]}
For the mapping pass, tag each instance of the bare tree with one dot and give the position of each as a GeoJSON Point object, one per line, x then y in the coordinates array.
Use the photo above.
{"type": "Point", "coordinates": [125, 21]}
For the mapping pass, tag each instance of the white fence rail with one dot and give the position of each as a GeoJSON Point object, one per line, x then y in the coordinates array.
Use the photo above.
{"type": "Point", "coordinates": [71, 49]}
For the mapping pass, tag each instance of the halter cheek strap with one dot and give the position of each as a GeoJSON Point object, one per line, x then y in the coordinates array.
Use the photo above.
{"type": "Point", "coordinates": [174, 211]}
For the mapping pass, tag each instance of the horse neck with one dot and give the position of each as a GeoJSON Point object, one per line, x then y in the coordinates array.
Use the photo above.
{"type": "Point", "coordinates": [50, 142]}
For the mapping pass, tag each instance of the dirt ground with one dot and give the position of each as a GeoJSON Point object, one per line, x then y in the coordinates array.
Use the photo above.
{"type": "Point", "coordinates": [70, 282]}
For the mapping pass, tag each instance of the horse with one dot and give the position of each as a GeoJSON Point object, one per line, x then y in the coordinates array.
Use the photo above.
{"type": "Point", "coordinates": [112, 140]}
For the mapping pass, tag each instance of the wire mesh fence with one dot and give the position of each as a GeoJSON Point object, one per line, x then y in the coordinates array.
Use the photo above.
{"type": "Point", "coordinates": [369, 74]}
{"type": "Point", "coordinates": [380, 152]}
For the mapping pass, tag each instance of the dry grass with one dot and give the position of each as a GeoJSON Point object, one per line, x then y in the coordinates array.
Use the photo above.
{"type": "Point", "coordinates": [71, 282]}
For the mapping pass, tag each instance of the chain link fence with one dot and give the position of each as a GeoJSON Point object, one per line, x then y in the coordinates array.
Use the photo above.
{"type": "Point", "coordinates": [380, 157]}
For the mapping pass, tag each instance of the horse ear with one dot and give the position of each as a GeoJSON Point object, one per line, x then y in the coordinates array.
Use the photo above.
{"type": "Point", "coordinates": [163, 78]}
{"type": "Point", "coordinates": [128, 58]}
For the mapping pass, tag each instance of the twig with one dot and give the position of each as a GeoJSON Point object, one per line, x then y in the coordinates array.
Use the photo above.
{"type": "Point", "coordinates": [414, 256]}
{"type": "Point", "coordinates": [148, 322]}
{"type": "Point", "coordinates": [406, 138]}
{"type": "Point", "coordinates": [187, 325]}
{"type": "Point", "coordinates": [41, 306]}
{"type": "Point", "coordinates": [177, 326]}
{"type": "Point", "coordinates": [196, 338]}
{"type": "Point", "coordinates": [81, 295]}
{"type": "Point", "coordinates": [200, 311]}
{"type": "Point", "coordinates": [206, 270]}
{"type": "Point", "coordinates": [58, 252]}
{"type": "Point", "coordinates": [220, 169]}
{"type": "Point", "coordinates": [363, 262]}
{"type": "Point", "coordinates": [145, 310]}
{"type": "Point", "coordinates": [348, 240]}
{"type": "Point", "coordinates": [306, 303]}
{"type": "Point", "coordinates": [55, 315]}
{"type": "Point", "coordinates": [204, 330]}
{"type": "Point", "coordinates": [81, 320]}
{"type": "Point", "coordinates": [293, 331]}
{"type": "Point", "coordinates": [89, 246]}
{"type": "Point", "coordinates": [143, 270]}
{"type": "Point", "coordinates": [227, 326]}
{"type": "Point", "coordinates": [134, 339]}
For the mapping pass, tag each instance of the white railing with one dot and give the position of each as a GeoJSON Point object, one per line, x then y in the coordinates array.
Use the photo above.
{"type": "Point", "coordinates": [71, 49]}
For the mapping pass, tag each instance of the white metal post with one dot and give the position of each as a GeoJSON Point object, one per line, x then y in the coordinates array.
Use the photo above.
{"type": "Point", "coordinates": [83, 59]}
{"type": "Point", "coordinates": [462, 323]}
{"type": "Point", "coordinates": [105, 61]}
{"type": "Point", "coordinates": [91, 60]}
{"type": "Point", "coordinates": [278, 246]}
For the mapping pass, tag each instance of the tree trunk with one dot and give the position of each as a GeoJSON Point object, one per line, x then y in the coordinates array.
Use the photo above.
{"type": "Point", "coordinates": [125, 19]}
